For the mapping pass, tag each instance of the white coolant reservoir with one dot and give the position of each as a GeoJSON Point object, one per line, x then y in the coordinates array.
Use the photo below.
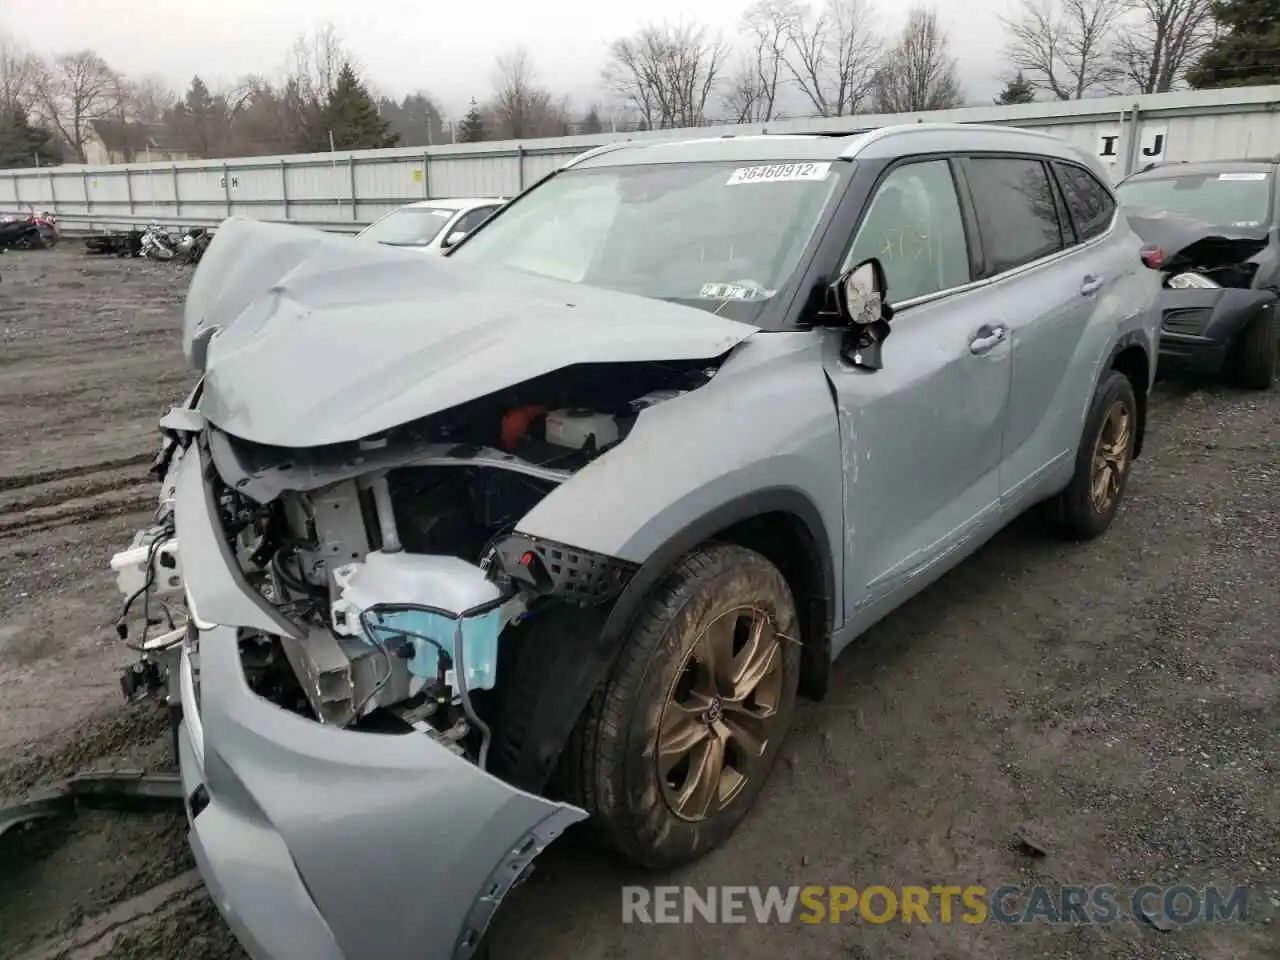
{"type": "Point", "coordinates": [571, 427]}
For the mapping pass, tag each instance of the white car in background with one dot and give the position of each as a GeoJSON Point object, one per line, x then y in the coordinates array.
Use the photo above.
{"type": "Point", "coordinates": [432, 226]}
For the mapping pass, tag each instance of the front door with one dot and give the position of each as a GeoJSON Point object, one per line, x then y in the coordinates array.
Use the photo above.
{"type": "Point", "coordinates": [921, 435]}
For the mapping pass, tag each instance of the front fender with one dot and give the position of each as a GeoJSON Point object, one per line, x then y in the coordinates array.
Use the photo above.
{"type": "Point", "coordinates": [765, 422]}
{"type": "Point", "coordinates": [762, 437]}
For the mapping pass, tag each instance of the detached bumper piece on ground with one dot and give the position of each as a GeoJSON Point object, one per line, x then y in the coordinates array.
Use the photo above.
{"type": "Point", "coordinates": [110, 788]}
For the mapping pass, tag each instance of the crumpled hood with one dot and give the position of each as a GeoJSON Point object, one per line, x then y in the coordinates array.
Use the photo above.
{"type": "Point", "coordinates": [1188, 243]}
{"type": "Point", "coordinates": [323, 340]}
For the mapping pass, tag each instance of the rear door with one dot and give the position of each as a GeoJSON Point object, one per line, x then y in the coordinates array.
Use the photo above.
{"type": "Point", "coordinates": [1048, 285]}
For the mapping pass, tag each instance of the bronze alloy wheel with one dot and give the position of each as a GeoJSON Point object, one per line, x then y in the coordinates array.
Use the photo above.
{"type": "Point", "coordinates": [720, 713]}
{"type": "Point", "coordinates": [1111, 456]}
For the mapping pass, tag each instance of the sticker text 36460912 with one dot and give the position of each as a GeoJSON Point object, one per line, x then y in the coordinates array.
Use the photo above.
{"type": "Point", "coordinates": [778, 173]}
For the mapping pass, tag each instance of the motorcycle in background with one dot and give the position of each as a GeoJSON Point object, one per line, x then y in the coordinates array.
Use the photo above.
{"type": "Point", "coordinates": [192, 244]}
{"type": "Point", "coordinates": [47, 224]}
{"type": "Point", "coordinates": [156, 244]}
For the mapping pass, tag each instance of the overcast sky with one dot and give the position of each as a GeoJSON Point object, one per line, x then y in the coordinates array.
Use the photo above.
{"type": "Point", "coordinates": [445, 47]}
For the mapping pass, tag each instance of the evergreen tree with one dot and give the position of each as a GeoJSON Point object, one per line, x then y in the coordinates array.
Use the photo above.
{"type": "Point", "coordinates": [1017, 90]}
{"type": "Point", "coordinates": [471, 129]}
{"type": "Point", "coordinates": [591, 122]}
{"type": "Point", "coordinates": [25, 145]}
{"type": "Point", "coordinates": [201, 119]}
{"type": "Point", "coordinates": [352, 116]}
{"type": "Point", "coordinates": [1247, 52]}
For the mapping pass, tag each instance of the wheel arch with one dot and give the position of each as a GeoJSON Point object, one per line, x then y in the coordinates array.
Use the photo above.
{"type": "Point", "coordinates": [1130, 357]}
{"type": "Point", "coordinates": [553, 681]}
{"type": "Point", "coordinates": [785, 527]}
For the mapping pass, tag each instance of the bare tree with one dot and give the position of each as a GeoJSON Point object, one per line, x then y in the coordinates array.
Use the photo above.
{"type": "Point", "coordinates": [1065, 47]}
{"type": "Point", "coordinates": [18, 70]}
{"type": "Point", "coordinates": [1161, 40]}
{"type": "Point", "coordinates": [149, 99]}
{"type": "Point", "coordinates": [833, 53]}
{"type": "Point", "coordinates": [769, 25]}
{"type": "Point", "coordinates": [73, 91]}
{"type": "Point", "coordinates": [744, 97]}
{"type": "Point", "coordinates": [315, 60]}
{"type": "Point", "coordinates": [666, 73]}
{"type": "Point", "coordinates": [521, 107]}
{"type": "Point", "coordinates": [918, 72]}
{"type": "Point", "coordinates": [311, 74]}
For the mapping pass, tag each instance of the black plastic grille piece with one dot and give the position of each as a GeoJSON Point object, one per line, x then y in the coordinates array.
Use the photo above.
{"type": "Point", "coordinates": [1186, 321]}
{"type": "Point", "coordinates": [579, 577]}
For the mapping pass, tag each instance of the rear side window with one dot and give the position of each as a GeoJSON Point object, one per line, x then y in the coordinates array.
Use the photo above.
{"type": "Point", "coordinates": [1014, 198]}
{"type": "Point", "coordinates": [473, 219]}
{"type": "Point", "coordinates": [1088, 201]}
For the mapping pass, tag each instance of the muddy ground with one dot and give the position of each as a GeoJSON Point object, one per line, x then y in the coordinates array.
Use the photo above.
{"type": "Point", "coordinates": [1118, 702]}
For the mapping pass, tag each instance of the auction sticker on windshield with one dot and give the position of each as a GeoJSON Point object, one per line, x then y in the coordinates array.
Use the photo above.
{"type": "Point", "coordinates": [778, 173]}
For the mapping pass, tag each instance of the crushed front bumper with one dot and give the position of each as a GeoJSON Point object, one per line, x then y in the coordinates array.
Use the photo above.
{"type": "Point", "coordinates": [1199, 327]}
{"type": "Point", "coordinates": [319, 843]}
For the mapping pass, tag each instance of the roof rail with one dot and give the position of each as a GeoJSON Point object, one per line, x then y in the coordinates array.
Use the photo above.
{"type": "Point", "coordinates": [592, 152]}
{"type": "Point", "coordinates": [836, 134]}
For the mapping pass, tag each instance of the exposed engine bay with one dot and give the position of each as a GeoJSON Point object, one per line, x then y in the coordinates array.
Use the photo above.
{"type": "Point", "coordinates": [395, 557]}
{"type": "Point", "coordinates": [1197, 255]}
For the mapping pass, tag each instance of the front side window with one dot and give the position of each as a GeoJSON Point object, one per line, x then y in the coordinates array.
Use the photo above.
{"type": "Point", "coordinates": [408, 227]}
{"type": "Point", "coordinates": [721, 236]}
{"type": "Point", "coordinates": [914, 227]}
{"type": "Point", "coordinates": [1239, 198]}
{"type": "Point", "coordinates": [1088, 201]}
{"type": "Point", "coordinates": [1014, 199]}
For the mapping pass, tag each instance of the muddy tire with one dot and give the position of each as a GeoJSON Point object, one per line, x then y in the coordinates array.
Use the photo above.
{"type": "Point", "coordinates": [1085, 509]}
{"type": "Point", "coordinates": [672, 751]}
{"type": "Point", "coordinates": [1251, 363]}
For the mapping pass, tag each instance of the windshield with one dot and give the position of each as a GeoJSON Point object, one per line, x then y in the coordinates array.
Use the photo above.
{"type": "Point", "coordinates": [721, 236]}
{"type": "Point", "coordinates": [1239, 199]}
{"type": "Point", "coordinates": [408, 227]}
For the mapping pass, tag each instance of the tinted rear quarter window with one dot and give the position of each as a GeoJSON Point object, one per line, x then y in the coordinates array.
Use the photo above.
{"type": "Point", "coordinates": [1088, 202]}
{"type": "Point", "coordinates": [1015, 202]}
{"type": "Point", "coordinates": [473, 219]}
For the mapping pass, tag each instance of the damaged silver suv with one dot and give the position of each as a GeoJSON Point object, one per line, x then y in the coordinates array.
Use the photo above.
{"type": "Point", "coordinates": [460, 551]}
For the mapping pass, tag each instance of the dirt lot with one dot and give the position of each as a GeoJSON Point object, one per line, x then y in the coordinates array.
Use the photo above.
{"type": "Point", "coordinates": [1119, 701]}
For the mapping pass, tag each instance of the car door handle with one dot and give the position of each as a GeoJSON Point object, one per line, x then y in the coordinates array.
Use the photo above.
{"type": "Point", "coordinates": [1091, 285]}
{"type": "Point", "coordinates": [987, 339]}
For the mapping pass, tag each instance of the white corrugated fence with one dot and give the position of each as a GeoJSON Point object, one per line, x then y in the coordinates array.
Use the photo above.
{"type": "Point", "coordinates": [357, 187]}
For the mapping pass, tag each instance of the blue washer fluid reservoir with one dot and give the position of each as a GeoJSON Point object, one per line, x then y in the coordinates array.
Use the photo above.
{"type": "Point", "coordinates": [447, 585]}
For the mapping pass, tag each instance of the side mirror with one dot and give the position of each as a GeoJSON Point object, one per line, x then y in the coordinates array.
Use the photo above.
{"type": "Point", "coordinates": [860, 296]}
{"type": "Point", "coordinates": [453, 238]}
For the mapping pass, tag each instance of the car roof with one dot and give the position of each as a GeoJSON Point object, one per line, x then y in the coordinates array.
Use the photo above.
{"type": "Point", "coordinates": [881, 143]}
{"type": "Point", "coordinates": [452, 203]}
{"type": "Point", "coordinates": [1180, 168]}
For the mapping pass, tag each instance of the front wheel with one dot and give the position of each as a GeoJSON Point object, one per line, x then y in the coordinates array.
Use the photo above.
{"type": "Point", "coordinates": [673, 750]}
{"type": "Point", "coordinates": [1085, 509]}
{"type": "Point", "coordinates": [1252, 361]}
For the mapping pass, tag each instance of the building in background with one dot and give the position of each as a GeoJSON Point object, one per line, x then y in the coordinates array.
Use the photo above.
{"type": "Point", "coordinates": [115, 141]}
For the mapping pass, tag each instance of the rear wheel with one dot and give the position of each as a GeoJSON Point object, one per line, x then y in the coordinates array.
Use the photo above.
{"type": "Point", "coordinates": [1252, 361]}
{"type": "Point", "coordinates": [673, 750]}
{"type": "Point", "coordinates": [1087, 506]}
